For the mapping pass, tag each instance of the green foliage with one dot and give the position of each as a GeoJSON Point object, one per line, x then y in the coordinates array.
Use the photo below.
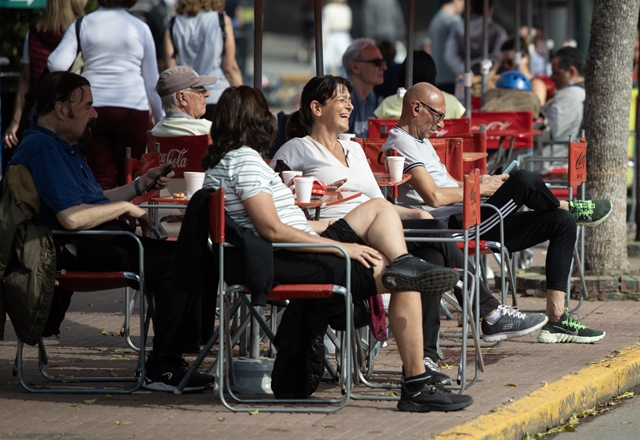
{"type": "Point", "coordinates": [13, 28]}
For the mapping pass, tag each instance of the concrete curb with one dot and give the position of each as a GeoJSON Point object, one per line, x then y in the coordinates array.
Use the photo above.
{"type": "Point", "coordinates": [556, 401]}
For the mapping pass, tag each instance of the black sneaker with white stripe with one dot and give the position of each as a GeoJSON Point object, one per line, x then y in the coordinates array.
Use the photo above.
{"type": "Point", "coordinates": [426, 394]}
{"type": "Point", "coordinates": [165, 371]}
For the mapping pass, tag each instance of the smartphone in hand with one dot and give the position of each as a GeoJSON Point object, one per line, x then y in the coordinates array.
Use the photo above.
{"type": "Point", "coordinates": [166, 171]}
{"type": "Point", "coordinates": [335, 185]}
{"type": "Point", "coordinates": [511, 166]}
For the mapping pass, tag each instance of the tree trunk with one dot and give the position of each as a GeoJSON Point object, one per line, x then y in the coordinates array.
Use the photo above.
{"type": "Point", "coordinates": [606, 120]}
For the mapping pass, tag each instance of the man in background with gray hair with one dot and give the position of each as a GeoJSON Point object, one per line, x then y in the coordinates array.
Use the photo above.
{"type": "Point", "coordinates": [364, 65]}
{"type": "Point", "coordinates": [183, 97]}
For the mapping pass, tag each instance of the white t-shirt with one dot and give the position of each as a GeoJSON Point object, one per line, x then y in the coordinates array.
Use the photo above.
{"type": "Point", "coordinates": [244, 174]}
{"type": "Point", "coordinates": [314, 160]}
{"type": "Point", "coordinates": [417, 153]}
{"type": "Point", "coordinates": [119, 59]}
{"type": "Point", "coordinates": [177, 123]}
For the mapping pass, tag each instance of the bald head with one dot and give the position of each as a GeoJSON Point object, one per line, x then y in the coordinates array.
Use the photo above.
{"type": "Point", "coordinates": [422, 107]}
{"type": "Point", "coordinates": [423, 92]}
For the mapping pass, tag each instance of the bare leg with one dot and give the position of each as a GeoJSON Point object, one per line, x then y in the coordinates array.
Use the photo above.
{"type": "Point", "coordinates": [405, 318]}
{"type": "Point", "coordinates": [379, 225]}
{"type": "Point", "coordinates": [555, 305]}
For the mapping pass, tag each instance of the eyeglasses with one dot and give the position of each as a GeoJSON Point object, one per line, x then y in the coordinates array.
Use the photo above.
{"type": "Point", "coordinates": [199, 90]}
{"type": "Point", "coordinates": [376, 62]}
{"type": "Point", "coordinates": [434, 111]}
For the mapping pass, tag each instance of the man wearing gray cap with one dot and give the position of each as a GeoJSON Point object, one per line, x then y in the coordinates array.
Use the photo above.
{"type": "Point", "coordinates": [183, 97]}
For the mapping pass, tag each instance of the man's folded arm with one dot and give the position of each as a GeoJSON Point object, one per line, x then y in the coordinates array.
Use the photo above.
{"type": "Point", "coordinates": [431, 193]}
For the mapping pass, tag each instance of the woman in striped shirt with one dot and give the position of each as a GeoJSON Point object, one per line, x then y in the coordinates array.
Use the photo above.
{"type": "Point", "coordinates": [372, 235]}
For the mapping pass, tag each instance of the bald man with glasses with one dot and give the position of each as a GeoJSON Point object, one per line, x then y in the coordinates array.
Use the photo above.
{"type": "Point", "coordinates": [432, 188]}
{"type": "Point", "coordinates": [364, 66]}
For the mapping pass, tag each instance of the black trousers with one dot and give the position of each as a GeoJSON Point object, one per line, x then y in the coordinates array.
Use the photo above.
{"type": "Point", "coordinates": [545, 221]}
{"type": "Point", "coordinates": [178, 318]}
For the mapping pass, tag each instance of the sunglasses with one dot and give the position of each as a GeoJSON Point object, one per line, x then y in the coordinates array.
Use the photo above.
{"type": "Point", "coordinates": [199, 90]}
{"type": "Point", "coordinates": [376, 62]}
{"type": "Point", "coordinates": [434, 111]}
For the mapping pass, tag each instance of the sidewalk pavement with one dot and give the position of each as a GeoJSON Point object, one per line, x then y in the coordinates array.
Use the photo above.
{"type": "Point", "coordinates": [527, 387]}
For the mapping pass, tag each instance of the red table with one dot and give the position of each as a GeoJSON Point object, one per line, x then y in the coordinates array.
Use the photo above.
{"type": "Point", "coordinates": [384, 179]}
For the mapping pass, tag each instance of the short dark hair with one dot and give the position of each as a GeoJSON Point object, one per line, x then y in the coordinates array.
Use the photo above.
{"type": "Point", "coordinates": [510, 44]}
{"type": "Point", "coordinates": [424, 69]}
{"type": "Point", "coordinates": [319, 88]}
{"type": "Point", "coordinates": [57, 87]}
{"type": "Point", "coordinates": [477, 6]}
{"type": "Point", "coordinates": [570, 56]}
{"type": "Point", "coordinates": [241, 117]}
{"type": "Point", "coordinates": [117, 3]}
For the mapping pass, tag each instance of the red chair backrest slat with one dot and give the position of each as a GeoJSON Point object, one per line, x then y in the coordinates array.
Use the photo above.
{"type": "Point", "coordinates": [378, 126]}
{"type": "Point", "coordinates": [216, 216]}
{"type": "Point", "coordinates": [449, 151]}
{"type": "Point", "coordinates": [471, 200]}
{"type": "Point", "coordinates": [185, 152]}
{"type": "Point", "coordinates": [577, 168]}
{"type": "Point", "coordinates": [504, 123]}
{"type": "Point", "coordinates": [453, 127]}
{"type": "Point", "coordinates": [135, 168]}
{"type": "Point", "coordinates": [373, 151]}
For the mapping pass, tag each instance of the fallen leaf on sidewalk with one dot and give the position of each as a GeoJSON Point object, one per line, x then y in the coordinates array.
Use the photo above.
{"type": "Point", "coordinates": [496, 409]}
{"type": "Point", "coordinates": [117, 422]}
{"type": "Point", "coordinates": [221, 419]}
{"type": "Point", "coordinates": [511, 385]}
{"type": "Point", "coordinates": [254, 412]}
{"type": "Point", "coordinates": [12, 382]}
{"type": "Point", "coordinates": [76, 405]}
{"type": "Point", "coordinates": [112, 374]}
{"type": "Point", "coordinates": [90, 401]}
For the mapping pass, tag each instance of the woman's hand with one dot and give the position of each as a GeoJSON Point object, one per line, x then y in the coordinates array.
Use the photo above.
{"type": "Point", "coordinates": [366, 255]}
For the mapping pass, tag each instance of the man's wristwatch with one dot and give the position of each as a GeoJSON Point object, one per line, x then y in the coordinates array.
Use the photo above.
{"type": "Point", "coordinates": [136, 185]}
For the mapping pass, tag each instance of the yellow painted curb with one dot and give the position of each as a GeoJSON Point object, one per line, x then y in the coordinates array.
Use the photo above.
{"type": "Point", "coordinates": [555, 401]}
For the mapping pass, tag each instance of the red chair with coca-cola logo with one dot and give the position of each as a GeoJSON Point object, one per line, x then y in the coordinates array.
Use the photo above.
{"type": "Point", "coordinates": [516, 127]}
{"type": "Point", "coordinates": [185, 152]}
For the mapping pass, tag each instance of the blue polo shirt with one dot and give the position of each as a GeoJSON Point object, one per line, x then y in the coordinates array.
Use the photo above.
{"type": "Point", "coordinates": [362, 111]}
{"type": "Point", "coordinates": [60, 172]}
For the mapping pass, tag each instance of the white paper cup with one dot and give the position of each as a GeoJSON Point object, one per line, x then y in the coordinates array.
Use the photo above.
{"type": "Point", "coordinates": [288, 175]}
{"type": "Point", "coordinates": [303, 188]}
{"type": "Point", "coordinates": [346, 136]}
{"type": "Point", "coordinates": [193, 181]}
{"type": "Point", "coordinates": [395, 165]}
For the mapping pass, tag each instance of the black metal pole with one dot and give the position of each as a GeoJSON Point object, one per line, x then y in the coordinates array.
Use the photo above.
{"type": "Point", "coordinates": [317, 23]}
{"type": "Point", "coordinates": [257, 45]}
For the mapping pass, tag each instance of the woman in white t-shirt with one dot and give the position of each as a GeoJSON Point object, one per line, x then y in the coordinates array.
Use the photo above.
{"type": "Point", "coordinates": [120, 63]}
{"type": "Point", "coordinates": [255, 198]}
{"type": "Point", "coordinates": [314, 149]}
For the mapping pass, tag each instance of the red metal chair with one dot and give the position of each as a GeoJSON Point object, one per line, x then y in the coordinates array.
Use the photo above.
{"type": "Point", "coordinates": [575, 183]}
{"type": "Point", "coordinates": [470, 223]}
{"type": "Point", "coordinates": [449, 151]}
{"type": "Point", "coordinates": [185, 152]}
{"type": "Point", "coordinates": [90, 281]}
{"type": "Point", "coordinates": [514, 127]}
{"type": "Point", "coordinates": [379, 128]}
{"type": "Point", "coordinates": [453, 128]}
{"type": "Point", "coordinates": [217, 223]}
